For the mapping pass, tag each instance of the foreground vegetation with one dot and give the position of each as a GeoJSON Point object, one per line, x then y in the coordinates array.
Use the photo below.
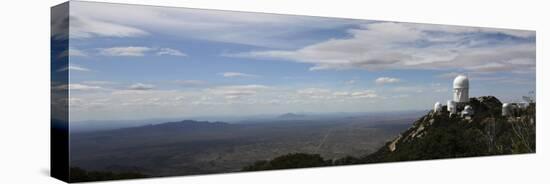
{"type": "Point", "coordinates": [80, 175]}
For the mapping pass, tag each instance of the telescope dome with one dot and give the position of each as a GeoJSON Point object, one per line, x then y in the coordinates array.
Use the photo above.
{"type": "Point", "coordinates": [461, 81]}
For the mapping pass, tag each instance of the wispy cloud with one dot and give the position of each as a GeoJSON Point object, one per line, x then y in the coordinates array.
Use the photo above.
{"type": "Point", "coordinates": [257, 29]}
{"type": "Point", "coordinates": [237, 91]}
{"type": "Point", "coordinates": [87, 27]}
{"type": "Point", "coordinates": [73, 67]}
{"type": "Point", "coordinates": [327, 94]}
{"type": "Point", "coordinates": [124, 51]}
{"type": "Point", "coordinates": [76, 52]}
{"type": "Point", "coordinates": [139, 51]}
{"type": "Point", "coordinates": [390, 46]}
{"type": "Point", "coordinates": [386, 80]}
{"type": "Point", "coordinates": [364, 94]}
{"type": "Point", "coordinates": [170, 52]}
{"type": "Point", "coordinates": [72, 52]}
{"type": "Point", "coordinates": [78, 87]}
{"type": "Point", "coordinates": [141, 86]}
{"type": "Point", "coordinates": [237, 74]}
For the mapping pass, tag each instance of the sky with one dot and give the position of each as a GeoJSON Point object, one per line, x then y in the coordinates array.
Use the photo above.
{"type": "Point", "coordinates": [140, 62]}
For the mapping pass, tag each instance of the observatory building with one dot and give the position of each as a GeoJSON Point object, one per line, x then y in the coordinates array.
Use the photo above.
{"type": "Point", "coordinates": [461, 84]}
{"type": "Point", "coordinates": [460, 103]}
{"type": "Point", "coordinates": [468, 112]}
{"type": "Point", "coordinates": [451, 106]}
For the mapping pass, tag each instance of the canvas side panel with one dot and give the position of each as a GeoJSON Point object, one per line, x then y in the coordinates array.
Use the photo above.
{"type": "Point", "coordinates": [59, 56]}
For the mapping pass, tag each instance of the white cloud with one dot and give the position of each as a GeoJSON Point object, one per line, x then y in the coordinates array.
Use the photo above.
{"type": "Point", "coordinates": [171, 52]}
{"type": "Point", "coordinates": [86, 27]}
{"type": "Point", "coordinates": [138, 51]}
{"type": "Point", "coordinates": [74, 52]}
{"type": "Point", "coordinates": [327, 94]}
{"type": "Point", "coordinates": [386, 80]}
{"type": "Point", "coordinates": [313, 91]}
{"type": "Point", "coordinates": [73, 67]}
{"type": "Point", "coordinates": [77, 87]}
{"type": "Point", "coordinates": [124, 51]}
{"type": "Point", "coordinates": [258, 29]}
{"type": "Point", "coordinates": [364, 94]}
{"type": "Point", "coordinates": [390, 46]}
{"type": "Point", "coordinates": [237, 91]}
{"type": "Point", "coordinates": [341, 93]}
{"type": "Point", "coordinates": [141, 86]}
{"type": "Point", "coordinates": [237, 74]}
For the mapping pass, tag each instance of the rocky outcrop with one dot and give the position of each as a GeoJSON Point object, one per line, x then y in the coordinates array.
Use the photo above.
{"type": "Point", "coordinates": [441, 135]}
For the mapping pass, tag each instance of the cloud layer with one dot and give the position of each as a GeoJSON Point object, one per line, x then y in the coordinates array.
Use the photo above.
{"type": "Point", "coordinates": [240, 63]}
{"type": "Point", "coordinates": [392, 46]}
{"type": "Point", "coordinates": [82, 27]}
{"type": "Point", "coordinates": [89, 19]}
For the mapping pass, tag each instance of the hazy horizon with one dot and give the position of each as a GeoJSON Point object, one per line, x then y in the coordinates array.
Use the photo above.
{"type": "Point", "coordinates": [236, 118]}
{"type": "Point", "coordinates": [158, 62]}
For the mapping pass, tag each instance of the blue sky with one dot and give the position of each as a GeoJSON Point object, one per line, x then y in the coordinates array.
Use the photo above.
{"type": "Point", "coordinates": [138, 62]}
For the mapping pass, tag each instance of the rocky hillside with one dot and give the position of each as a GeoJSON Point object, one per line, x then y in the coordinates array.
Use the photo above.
{"type": "Point", "coordinates": [437, 135]}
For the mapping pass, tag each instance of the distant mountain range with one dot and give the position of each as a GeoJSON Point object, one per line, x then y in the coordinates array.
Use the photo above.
{"type": "Point", "coordinates": [291, 116]}
{"type": "Point", "coordinates": [185, 125]}
{"type": "Point", "coordinates": [200, 147]}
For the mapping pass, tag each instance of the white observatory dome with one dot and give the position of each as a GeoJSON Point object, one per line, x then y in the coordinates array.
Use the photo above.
{"type": "Point", "coordinates": [461, 81]}
{"type": "Point", "coordinates": [468, 111]}
{"type": "Point", "coordinates": [461, 86]}
{"type": "Point", "coordinates": [451, 106]}
{"type": "Point", "coordinates": [437, 107]}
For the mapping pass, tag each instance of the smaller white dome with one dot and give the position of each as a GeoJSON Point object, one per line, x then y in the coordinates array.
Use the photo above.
{"type": "Point", "coordinates": [468, 111]}
{"type": "Point", "coordinates": [506, 105]}
{"type": "Point", "coordinates": [451, 106]}
{"type": "Point", "coordinates": [461, 81]}
{"type": "Point", "coordinates": [437, 107]}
